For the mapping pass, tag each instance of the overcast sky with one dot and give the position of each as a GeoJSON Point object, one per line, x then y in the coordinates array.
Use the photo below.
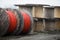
{"type": "Point", "coordinates": [10, 3]}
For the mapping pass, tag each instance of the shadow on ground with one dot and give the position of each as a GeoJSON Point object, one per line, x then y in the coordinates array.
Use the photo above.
{"type": "Point", "coordinates": [35, 36]}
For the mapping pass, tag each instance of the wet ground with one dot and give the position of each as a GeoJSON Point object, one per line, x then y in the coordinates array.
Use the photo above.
{"type": "Point", "coordinates": [36, 36]}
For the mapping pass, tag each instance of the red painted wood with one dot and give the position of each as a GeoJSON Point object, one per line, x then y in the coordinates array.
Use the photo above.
{"type": "Point", "coordinates": [12, 21]}
{"type": "Point", "coordinates": [27, 22]}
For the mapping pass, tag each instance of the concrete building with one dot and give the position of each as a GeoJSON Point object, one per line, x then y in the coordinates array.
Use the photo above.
{"type": "Point", "coordinates": [52, 13]}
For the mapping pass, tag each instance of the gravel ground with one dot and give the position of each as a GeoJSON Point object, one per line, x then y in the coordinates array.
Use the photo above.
{"type": "Point", "coordinates": [39, 36]}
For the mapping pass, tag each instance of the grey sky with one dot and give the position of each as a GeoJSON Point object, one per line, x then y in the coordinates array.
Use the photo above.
{"type": "Point", "coordinates": [10, 3]}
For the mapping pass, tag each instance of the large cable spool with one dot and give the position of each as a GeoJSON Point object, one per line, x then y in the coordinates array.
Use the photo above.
{"type": "Point", "coordinates": [27, 22]}
{"type": "Point", "coordinates": [14, 22]}
{"type": "Point", "coordinates": [4, 22]}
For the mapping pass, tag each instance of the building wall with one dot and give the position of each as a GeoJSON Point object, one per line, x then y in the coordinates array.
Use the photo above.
{"type": "Point", "coordinates": [33, 11]}
{"type": "Point", "coordinates": [49, 25]}
{"type": "Point", "coordinates": [49, 12]}
{"type": "Point", "coordinates": [57, 24]}
{"type": "Point", "coordinates": [57, 12]}
{"type": "Point", "coordinates": [39, 12]}
{"type": "Point", "coordinates": [39, 27]}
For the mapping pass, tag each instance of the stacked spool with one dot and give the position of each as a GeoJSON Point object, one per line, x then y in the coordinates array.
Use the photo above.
{"type": "Point", "coordinates": [14, 22]}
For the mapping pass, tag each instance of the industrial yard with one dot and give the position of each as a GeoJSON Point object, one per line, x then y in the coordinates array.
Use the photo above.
{"type": "Point", "coordinates": [30, 22]}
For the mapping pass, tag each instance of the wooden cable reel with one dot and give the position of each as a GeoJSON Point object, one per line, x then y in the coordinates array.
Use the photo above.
{"type": "Point", "coordinates": [14, 22]}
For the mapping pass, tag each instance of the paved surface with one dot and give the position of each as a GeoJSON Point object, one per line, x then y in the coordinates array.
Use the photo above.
{"type": "Point", "coordinates": [40, 36]}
